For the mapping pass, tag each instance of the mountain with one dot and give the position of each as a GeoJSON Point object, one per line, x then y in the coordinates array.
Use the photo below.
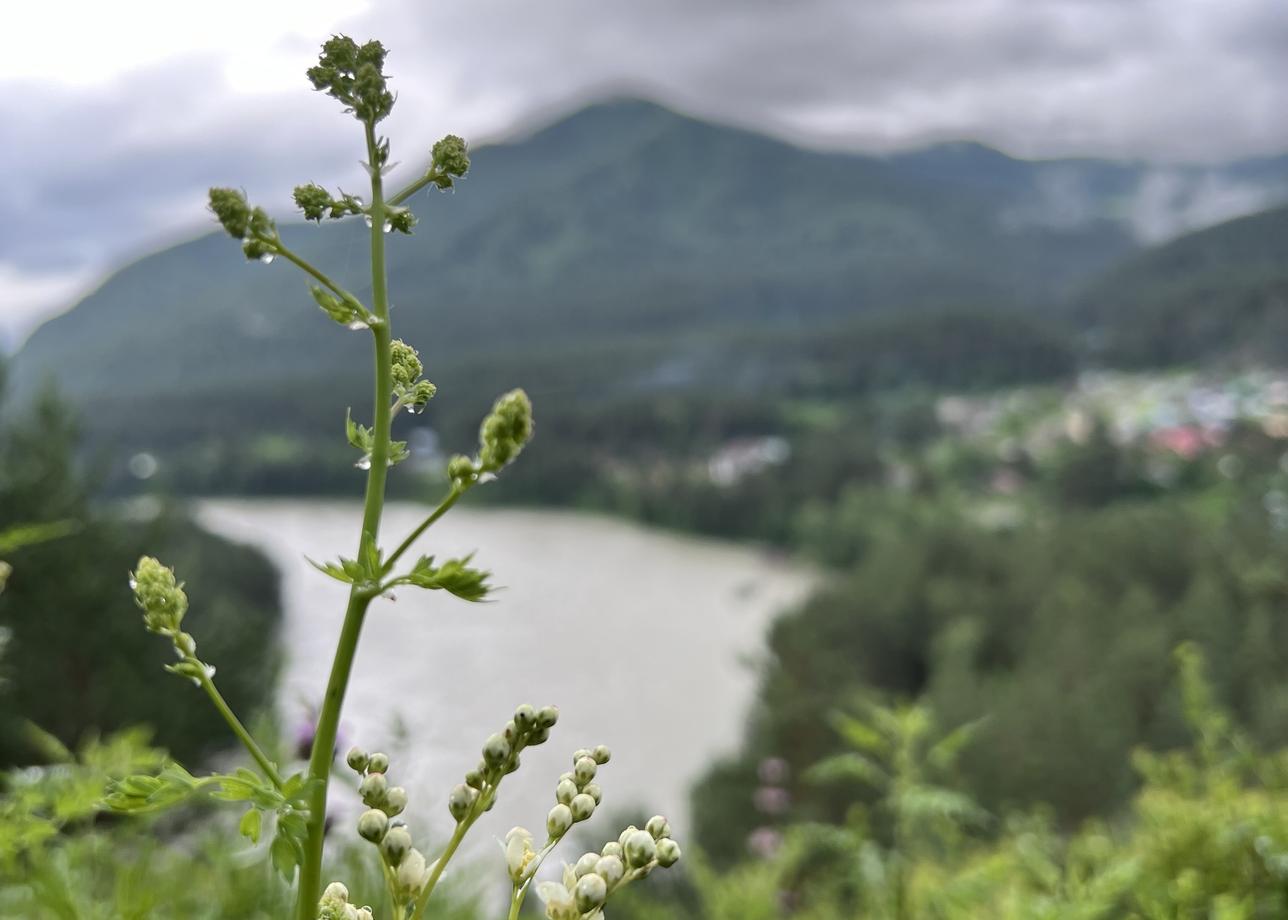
{"type": "Point", "coordinates": [621, 251]}
{"type": "Point", "coordinates": [1219, 293]}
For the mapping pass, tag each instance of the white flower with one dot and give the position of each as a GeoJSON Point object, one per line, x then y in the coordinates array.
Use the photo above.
{"type": "Point", "coordinates": [518, 852]}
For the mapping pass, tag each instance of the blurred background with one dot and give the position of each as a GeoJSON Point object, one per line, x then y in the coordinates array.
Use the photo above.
{"type": "Point", "coordinates": [911, 383]}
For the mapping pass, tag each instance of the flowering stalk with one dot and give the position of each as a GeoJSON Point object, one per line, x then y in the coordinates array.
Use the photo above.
{"type": "Point", "coordinates": [296, 805]}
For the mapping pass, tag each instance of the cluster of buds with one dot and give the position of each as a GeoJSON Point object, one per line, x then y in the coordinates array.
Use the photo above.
{"type": "Point", "coordinates": [502, 435]}
{"type": "Point", "coordinates": [449, 160]}
{"type": "Point", "coordinates": [410, 391]}
{"type": "Point", "coordinates": [316, 203]}
{"type": "Point", "coordinates": [253, 226]}
{"type": "Point", "coordinates": [589, 882]}
{"type": "Point", "coordinates": [576, 794]}
{"type": "Point", "coordinates": [354, 74]}
{"type": "Point", "coordinates": [381, 826]}
{"type": "Point", "coordinates": [335, 905]}
{"type": "Point", "coordinates": [163, 602]}
{"type": "Point", "coordinates": [528, 728]}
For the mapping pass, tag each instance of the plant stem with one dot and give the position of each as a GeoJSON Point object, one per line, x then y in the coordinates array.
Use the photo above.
{"type": "Point", "coordinates": [414, 187]}
{"type": "Point", "coordinates": [359, 599]}
{"type": "Point", "coordinates": [304, 266]}
{"type": "Point", "coordinates": [239, 730]}
{"type": "Point", "coordinates": [443, 507]}
{"type": "Point", "coordinates": [457, 836]}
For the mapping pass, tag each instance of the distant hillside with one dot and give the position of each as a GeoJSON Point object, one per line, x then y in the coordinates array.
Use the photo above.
{"type": "Point", "coordinates": [1220, 293]}
{"type": "Point", "coordinates": [623, 250]}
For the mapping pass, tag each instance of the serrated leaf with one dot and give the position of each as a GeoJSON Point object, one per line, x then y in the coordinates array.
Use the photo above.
{"type": "Point", "coordinates": [336, 571]}
{"type": "Point", "coordinates": [251, 824]}
{"type": "Point", "coordinates": [454, 576]}
{"type": "Point", "coordinates": [359, 435]}
{"type": "Point", "coordinates": [284, 857]}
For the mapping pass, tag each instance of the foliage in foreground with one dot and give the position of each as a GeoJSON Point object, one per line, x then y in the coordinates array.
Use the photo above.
{"type": "Point", "coordinates": [1206, 838]}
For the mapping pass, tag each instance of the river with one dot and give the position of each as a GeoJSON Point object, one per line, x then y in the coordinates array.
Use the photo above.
{"type": "Point", "coordinates": [646, 640]}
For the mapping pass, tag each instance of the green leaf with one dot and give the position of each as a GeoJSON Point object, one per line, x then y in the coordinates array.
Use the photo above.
{"type": "Point", "coordinates": [29, 534]}
{"type": "Point", "coordinates": [943, 753]}
{"type": "Point", "coordinates": [139, 793]}
{"type": "Point", "coordinates": [848, 766]}
{"type": "Point", "coordinates": [359, 436]}
{"type": "Point", "coordinates": [859, 734]}
{"type": "Point", "coordinates": [454, 576]}
{"type": "Point", "coordinates": [250, 825]}
{"type": "Point", "coordinates": [284, 856]}
{"type": "Point", "coordinates": [338, 572]}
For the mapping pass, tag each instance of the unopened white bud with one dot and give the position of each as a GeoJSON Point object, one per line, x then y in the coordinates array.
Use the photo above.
{"type": "Point", "coordinates": [640, 849]}
{"type": "Point", "coordinates": [610, 868]}
{"type": "Point", "coordinates": [412, 873]}
{"type": "Point", "coordinates": [559, 820]}
{"type": "Point", "coordinates": [586, 864]}
{"type": "Point", "coordinates": [582, 806]}
{"type": "Point", "coordinates": [591, 893]}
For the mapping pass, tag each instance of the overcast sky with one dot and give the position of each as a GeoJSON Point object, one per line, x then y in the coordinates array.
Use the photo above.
{"type": "Point", "coordinates": [116, 116]}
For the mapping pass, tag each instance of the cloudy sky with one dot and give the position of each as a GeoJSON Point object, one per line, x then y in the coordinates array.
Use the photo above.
{"type": "Point", "coordinates": [115, 117]}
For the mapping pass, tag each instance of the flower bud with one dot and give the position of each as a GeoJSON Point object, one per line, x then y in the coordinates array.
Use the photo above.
{"type": "Point", "coordinates": [625, 835]}
{"type": "Point", "coordinates": [590, 893]}
{"type": "Point", "coordinates": [357, 759]}
{"type": "Point", "coordinates": [668, 852]}
{"type": "Point", "coordinates": [566, 791]}
{"type": "Point", "coordinates": [547, 716]}
{"type": "Point", "coordinates": [395, 800]}
{"type": "Point", "coordinates": [378, 763]}
{"type": "Point", "coordinates": [579, 754]}
{"type": "Point", "coordinates": [657, 827]}
{"type": "Point", "coordinates": [373, 788]}
{"type": "Point", "coordinates": [539, 736]}
{"type": "Point", "coordinates": [505, 431]}
{"type": "Point", "coordinates": [559, 820]}
{"type": "Point", "coordinates": [474, 779]}
{"type": "Point", "coordinates": [594, 791]}
{"type": "Point", "coordinates": [584, 771]}
{"type": "Point", "coordinates": [495, 750]}
{"type": "Point", "coordinates": [511, 732]}
{"type": "Point", "coordinates": [158, 595]}
{"type": "Point", "coordinates": [610, 869]}
{"type": "Point", "coordinates": [525, 717]}
{"type": "Point", "coordinates": [585, 865]}
{"type": "Point", "coordinates": [601, 754]}
{"type": "Point", "coordinates": [395, 845]}
{"type": "Point", "coordinates": [461, 471]}
{"type": "Point", "coordinates": [612, 848]}
{"type": "Point", "coordinates": [640, 849]}
{"type": "Point", "coordinates": [230, 208]}
{"type": "Point", "coordinates": [582, 807]}
{"type": "Point", "coordinates": [412, 873]}
{"type": "Point", "coordinates": [450, 156]}
{"type": "Point", "coordinates": [372, 825]}
{"type": "Point", "coordinates": [461, 801]}
{"type": "Point", "coordinates": [336, 892]}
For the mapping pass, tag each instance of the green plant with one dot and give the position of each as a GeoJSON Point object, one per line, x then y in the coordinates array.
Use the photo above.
{"type": "Point", "coordinates": [294, 806]}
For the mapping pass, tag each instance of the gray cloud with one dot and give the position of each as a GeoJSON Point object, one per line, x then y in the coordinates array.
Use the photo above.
{"type": "Point", "coordinates": [90, 176]}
